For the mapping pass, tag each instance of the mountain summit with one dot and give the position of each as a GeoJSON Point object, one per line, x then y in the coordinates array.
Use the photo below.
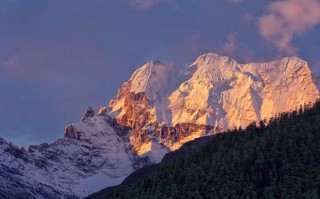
{"type": "Point", "coordinates": [156, 111]}
{"type": "Point", "coordinates": [218, 92]}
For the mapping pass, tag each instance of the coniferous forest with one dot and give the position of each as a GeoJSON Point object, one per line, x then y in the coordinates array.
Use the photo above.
{"type": "Point", "coordinates": [279, 158]}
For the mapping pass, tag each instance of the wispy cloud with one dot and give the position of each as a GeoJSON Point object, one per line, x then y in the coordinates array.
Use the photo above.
{"type": "Point", "coordinates": [146, 4]}
{"type": "Point", "coordinates": [288, 19]}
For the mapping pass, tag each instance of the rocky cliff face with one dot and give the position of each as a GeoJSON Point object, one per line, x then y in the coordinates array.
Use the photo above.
{"type": "Point", "coordinates": [143, 104]}
{"type": "Point", "coordinates": [156, 111]}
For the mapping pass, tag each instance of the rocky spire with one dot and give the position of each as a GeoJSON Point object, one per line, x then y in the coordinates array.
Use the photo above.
{"type": "Point", "coordinates": [88, 114]}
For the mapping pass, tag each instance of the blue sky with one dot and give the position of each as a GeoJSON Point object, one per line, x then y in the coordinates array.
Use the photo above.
{"type": "Point", "coordinates": [59, 57]}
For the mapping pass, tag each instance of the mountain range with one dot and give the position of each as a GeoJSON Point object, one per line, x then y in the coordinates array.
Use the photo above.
{"type": "Point", "coordinates": [160, 108]}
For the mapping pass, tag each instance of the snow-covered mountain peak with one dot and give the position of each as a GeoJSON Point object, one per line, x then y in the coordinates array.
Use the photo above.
{"type": "Point", "coordinates": [212, 67]}
{"type": "Point", "coordinates": [279, 72]}
{"type": "Point", "coordinates": [145, 95]}
{"type": "Point", "coordinates": [291, 63]}
{"type": "Point", "coordinates": [295, 59]}
{"type": "Point", "coordinates": [151, 78]}
{"type": "Point", "coordinates": [213, 60]}
{"type": "Point", "coordinates": [285, 64]}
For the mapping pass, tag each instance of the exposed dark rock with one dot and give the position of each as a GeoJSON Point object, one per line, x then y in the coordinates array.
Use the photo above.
{"type": "Point", "coordinates": [17, 153]}
{"type": "Point", "coordinates": [88, 114]}
{"type": "Point", "coordinates": [71, 132]}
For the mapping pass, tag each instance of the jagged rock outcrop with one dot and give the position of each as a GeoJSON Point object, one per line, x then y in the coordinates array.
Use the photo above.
{"type": "Point", "coordinates": [88, 114]}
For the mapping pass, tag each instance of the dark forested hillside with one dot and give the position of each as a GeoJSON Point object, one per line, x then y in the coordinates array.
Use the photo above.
{"type": "Point", "coordinates": [275, 159]}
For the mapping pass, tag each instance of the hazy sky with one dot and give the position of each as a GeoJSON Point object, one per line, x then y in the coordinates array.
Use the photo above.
{"type": "Point", "coordinates": [58, 57]}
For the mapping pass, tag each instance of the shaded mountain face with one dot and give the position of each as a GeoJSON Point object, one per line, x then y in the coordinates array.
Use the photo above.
{"type": "Point", "coordinates": [156, 111]}
{"type": "Point", "coordinates": [67, 168]}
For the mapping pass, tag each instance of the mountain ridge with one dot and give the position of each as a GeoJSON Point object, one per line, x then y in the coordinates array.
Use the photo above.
{"type": "Point", "coordinates": [156, 111]}
{"type": "Point", "coordinates": [221, 93]}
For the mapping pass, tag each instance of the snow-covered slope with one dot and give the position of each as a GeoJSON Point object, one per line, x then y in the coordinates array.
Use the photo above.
{"type": "Point", "coordinates": [153, 82]}
{"type": "Point", "coordinates": [225, 94]}
{"type": "Point", "coordinates": [157, 110]}
{"type": "Point", "coordinates": [154, 79]}
{"type": "Point", "coordinates": [67, 168]}
{"type": "Point", "coordinates": [198, 99]}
